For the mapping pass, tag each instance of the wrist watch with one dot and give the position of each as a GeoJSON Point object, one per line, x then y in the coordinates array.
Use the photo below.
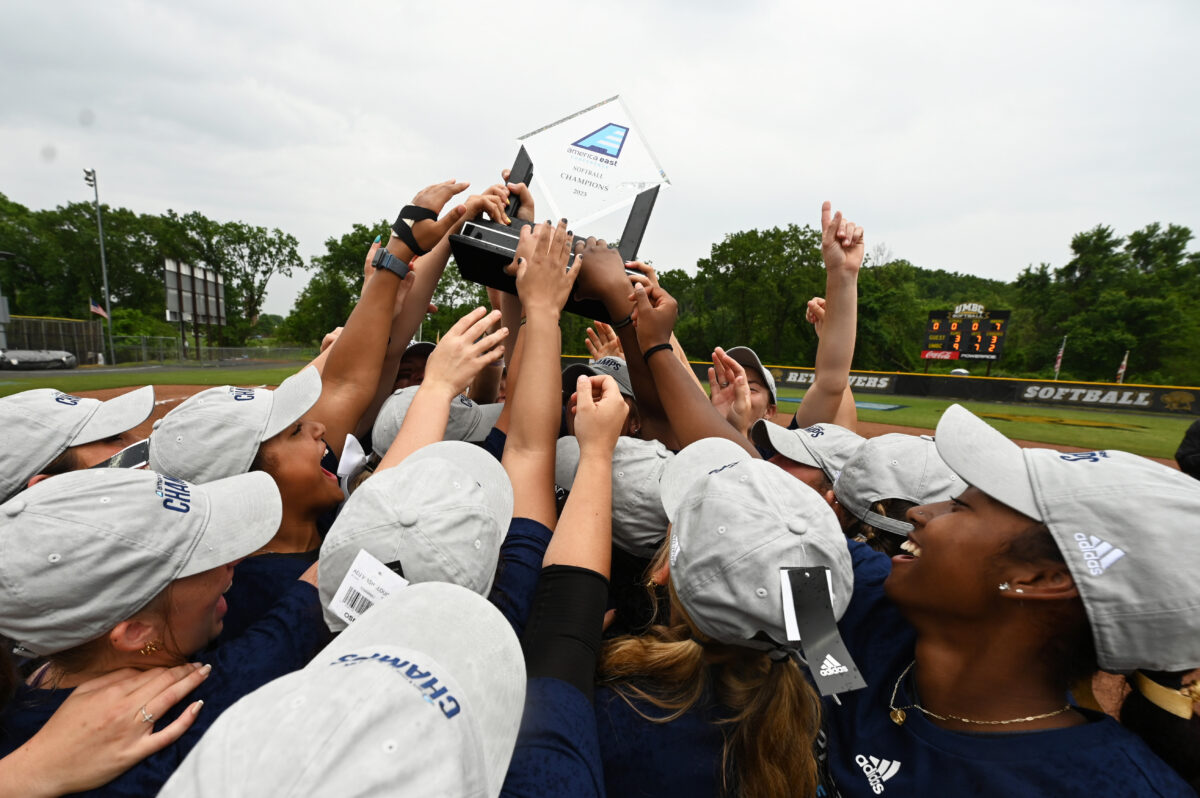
{"type": "Point", "coordinates": [386, 260]}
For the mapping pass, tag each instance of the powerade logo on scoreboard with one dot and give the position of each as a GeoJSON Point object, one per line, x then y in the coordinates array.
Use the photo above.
{"type": "Point", "coordinates": [608, 140]}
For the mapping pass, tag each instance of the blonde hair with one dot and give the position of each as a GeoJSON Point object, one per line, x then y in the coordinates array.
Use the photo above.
{"type": "Point", "coordinates": [774, 717]}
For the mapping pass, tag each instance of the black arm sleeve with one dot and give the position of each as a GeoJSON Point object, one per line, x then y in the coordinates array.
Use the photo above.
{"type": "Point", "coordinates": [562, 637]}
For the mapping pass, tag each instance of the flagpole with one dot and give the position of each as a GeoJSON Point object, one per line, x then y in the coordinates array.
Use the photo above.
{"type": "Point", "coordinates": [89, 177]}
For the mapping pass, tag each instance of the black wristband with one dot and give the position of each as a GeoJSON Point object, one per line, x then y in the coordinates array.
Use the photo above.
{"type": "Point", "coordinates": [403, 229]}
{"type": "Point", "coordinates": [658, 348]}
{"type": "Point", "coordinates": [625, 322]}
{"type": "Point", "coordinates": [562, 638]}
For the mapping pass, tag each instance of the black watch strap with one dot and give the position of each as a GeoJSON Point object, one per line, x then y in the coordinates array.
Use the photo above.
{"type": "Point", "coordinates": [386, 260]}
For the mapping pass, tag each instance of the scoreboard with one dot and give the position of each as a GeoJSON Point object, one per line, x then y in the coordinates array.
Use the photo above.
{"type": "Point", "coordinates": [969, 332]}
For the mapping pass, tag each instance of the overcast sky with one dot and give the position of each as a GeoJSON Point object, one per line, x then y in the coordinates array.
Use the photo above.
{"type": "Point", "coordinates": [968, 136]}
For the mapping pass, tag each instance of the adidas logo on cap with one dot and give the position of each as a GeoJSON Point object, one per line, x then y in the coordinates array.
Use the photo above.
{"type": "Point", "coordinates": [831, 667]}
{"type": "Point", "coordinates": [877, 770]}
{"type": "Point", "coordinates": [1098, 555]}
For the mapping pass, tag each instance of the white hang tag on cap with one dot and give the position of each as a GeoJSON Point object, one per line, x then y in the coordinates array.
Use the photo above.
{"type": "Point", "coordinates": [789, 606]}
{"type": "Point", "coordinates": [367, 582]}
{"type": "Point", "coordinates": [809, 621]}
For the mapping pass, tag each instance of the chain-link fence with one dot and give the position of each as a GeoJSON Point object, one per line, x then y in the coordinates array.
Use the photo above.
{"type": "Point", "coordinates": [83, 339]}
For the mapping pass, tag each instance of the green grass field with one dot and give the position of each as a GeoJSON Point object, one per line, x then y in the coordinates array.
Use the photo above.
{"type": "Point", "coordinates": [1142, 433]}
{"type": "Point", "coordinates": [1150, 434]}
{"type": "Point", "coordinates": [92, 380]}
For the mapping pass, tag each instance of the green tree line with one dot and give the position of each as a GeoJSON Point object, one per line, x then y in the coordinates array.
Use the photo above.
{"type": "Point", "coordinates": [52, 265]}
{"type": "Point", "coordinates": [1116, 293]}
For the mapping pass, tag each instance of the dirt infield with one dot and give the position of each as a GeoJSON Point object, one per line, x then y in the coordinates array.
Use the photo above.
{"type": "Point", "coordinates": [167, 397]}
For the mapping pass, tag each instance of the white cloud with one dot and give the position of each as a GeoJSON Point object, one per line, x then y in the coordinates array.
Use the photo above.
{"type": "Point", "coordinates": [970, 136]}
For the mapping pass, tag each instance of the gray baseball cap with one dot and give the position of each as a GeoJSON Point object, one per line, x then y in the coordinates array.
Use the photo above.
{"type": "Point", "coordinates": [422, 695]}
{"type": "Point", "coordinates": [736, 522]}
{"type": "Point", "coordinates": [824, 446]}
{"type": "Point", "coordinates": [442, 513]}
{"type": "Point", "coordinates": [894, 466]}
{"type": "Point", "coordinates": [83, 551]}
{"type": "Point", "coordinates": [469, 421]}
{"type": "Point", "coordinates": [41, 424]}
{"type": "Point", "coordinates": [749, 360]}
{"type": "Point", "coordinates": [1123, 524]}
{"type": "Point", "coordinates": [639, 523]}
{"type": "Point", "coordinates": [614, 367]}
{"type": "Point", "coordinates": [217, 432]}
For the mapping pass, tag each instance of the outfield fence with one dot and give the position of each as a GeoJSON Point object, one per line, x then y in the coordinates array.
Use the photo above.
{"type": "Point", "coordinates": [83, 339]}
{"type": "Point", "coordinates": [1171, 399]}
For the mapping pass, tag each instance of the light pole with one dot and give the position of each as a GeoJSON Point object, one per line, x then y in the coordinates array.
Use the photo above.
{"type": "Point", "coordinates": [89, 177]}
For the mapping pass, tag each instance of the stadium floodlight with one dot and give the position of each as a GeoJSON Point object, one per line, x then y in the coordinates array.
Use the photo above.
{"type": "Point", "coordinates": [89, 177]}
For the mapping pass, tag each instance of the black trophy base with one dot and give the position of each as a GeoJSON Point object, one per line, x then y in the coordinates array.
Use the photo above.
{"type": "Point", "coordinates": [483, 249]}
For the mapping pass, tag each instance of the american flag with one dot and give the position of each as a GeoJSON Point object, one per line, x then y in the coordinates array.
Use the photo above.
{"type": "Point", "coordinates": [1121, 370]}
{"type": "Point", "coordinates": [99, 311]}
{"type": "Point", "coordinates": [1058, 360]}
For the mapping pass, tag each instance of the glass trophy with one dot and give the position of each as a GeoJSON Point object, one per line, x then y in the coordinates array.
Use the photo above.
{"type": "Point", "coordinates": [591, 166]}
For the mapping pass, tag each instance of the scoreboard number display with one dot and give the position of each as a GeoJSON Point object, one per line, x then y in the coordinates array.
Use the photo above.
{"type": "Point", "coordinates": [969, 332]}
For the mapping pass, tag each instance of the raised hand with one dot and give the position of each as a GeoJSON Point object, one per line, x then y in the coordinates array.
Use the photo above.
{"type": "Point", "coordinates": [602, 342]}
{"type": "Point", "coordinates": [654, 316]}
{"type": "Point", "coordinates": [525, 212]}
{"type": "Point", "coordinates": [646, 274]}
{"type": "Point", "coordinates": [600, 412]}
{"type": "Point", "coordinates": [543, 280]}
{"type": "Point", "coordinates": [815, 314]}
{"type": "Point", "coordinates": [427, 232]}
{"type": "Point", "coordinates": [463, 352]}
{"type": "Point", "coordinates": [729, 390]}
{"type": "Point", "coordinates": [842, 246]}
{"type": "Point", "coordinates": [492, 202]}
{"type": "Point", "coordinates": [604, 276]}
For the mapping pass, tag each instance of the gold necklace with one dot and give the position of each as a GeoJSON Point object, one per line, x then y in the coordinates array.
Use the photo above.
{"type": "Point", "coordinates": [898, 715]}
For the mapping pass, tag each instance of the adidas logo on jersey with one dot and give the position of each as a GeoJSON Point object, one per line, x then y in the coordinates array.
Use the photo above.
{"type": "Point", "coordinates": [877, 770]}
{"type": "Point", "coordinates": [1098, 555]}
{"type": "Point", "coordinates": [831, 667]}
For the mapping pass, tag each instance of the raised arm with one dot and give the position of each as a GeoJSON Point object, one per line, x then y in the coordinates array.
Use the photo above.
{"type": "Point", "coordinates": [350, 377]}
{"type": "Point", "coordinates": [604, 278]}
{"type": "Point", "coordinates": [847, 413]}
{"type": "Point", "coordinates": [842, 249]}
{"type": "Point", "coordinates": [463, 352]}
{"type": "Point", "coordinates": [544, 283]}
{"type": "Point", "coordinates": [689, 411]}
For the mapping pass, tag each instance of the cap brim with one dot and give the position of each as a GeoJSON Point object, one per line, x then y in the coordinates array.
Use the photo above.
{"type": "Point", "coordinates": [119, 414]}
{"type": "Point", "coordinates": [244, 512]}
{"type": "Point", "coordinates": [781, 440]}
{"type": "Point", "coordinates": [986, 459]}
{"type": "Point", "coordinates": [573, 372]}
{"type": "Point", "coordinates": [749, 359]}
{"type": "Point", "coordinates": [420, 348]}
{"type": "Point", "coordinates": [694, 462]}
{"type": "Point", "coordinates": [463, 632]}
{"type": "Point", "coordinates": [566, 461]}
{"type": "Point", "coordinates": [489, 414]}
{"type": "Point", "coordinates": [294, 397]}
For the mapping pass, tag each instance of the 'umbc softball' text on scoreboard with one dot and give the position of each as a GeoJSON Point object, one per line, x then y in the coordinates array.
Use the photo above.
{"type": "Point", "coordinates": [969, 332]}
